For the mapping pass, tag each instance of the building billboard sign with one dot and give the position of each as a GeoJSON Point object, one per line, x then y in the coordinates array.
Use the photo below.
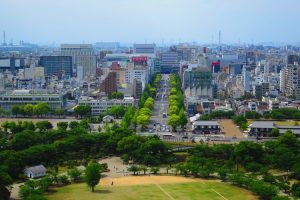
{"type": "Point", "coordinates": [139, 59]}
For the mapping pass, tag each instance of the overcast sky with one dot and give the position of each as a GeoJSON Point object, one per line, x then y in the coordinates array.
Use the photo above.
{"type": "Point", "coordinates": [129, 21]}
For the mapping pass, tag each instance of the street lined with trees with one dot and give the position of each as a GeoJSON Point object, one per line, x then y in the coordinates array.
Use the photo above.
{"type": "Point", "coordinates": [176, 104]}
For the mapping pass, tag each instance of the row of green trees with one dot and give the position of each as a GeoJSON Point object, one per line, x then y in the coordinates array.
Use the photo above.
{"type": "Point", "coordinates": [146, 103]}
{"type": "Point", "coordinates": [285, 113]}
{"type": "Point", "coordinates": [30, 146]}
{"type": "Point", "coordinates": [248, 165]}
{"type": "Point", "coordinates": [176, 104]}
{"type": "Point", "coordinates": [279, 114]}
{"type": "Point", "coordinates": [116, 95]}
{"type": "Point", "coordinates": [218, 114]}
{"type": "Point", "coordinates": [39, 110]}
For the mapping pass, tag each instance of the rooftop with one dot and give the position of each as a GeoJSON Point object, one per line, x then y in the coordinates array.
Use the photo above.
{"type": "Point", "coordinates": [262, 124]}
{"type": "Point", "coordinates": [206, 123]}
{"type": "Point", "coordinates": [36, 169]}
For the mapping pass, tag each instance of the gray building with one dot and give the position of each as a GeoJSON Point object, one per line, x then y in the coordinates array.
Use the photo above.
{"type": "Point", "coordinates": [144, 48]}
{"type": "Point", "coordinates": [83, 55]}
{"type": "Point", "coordinates": [169, 62]}
{"type": "Point", "coordinates": [22, 97]}
{"type": "Point", "coordinates": [57, 65]}
{"type": "Point", "coordinates": [11, 63]}
{"type": "Point", "coordinates": [137, 88]}
{"type": "Point", "coordinates": [197, 82]}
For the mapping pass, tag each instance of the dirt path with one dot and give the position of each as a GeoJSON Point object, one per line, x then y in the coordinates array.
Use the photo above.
{"type": "Point", "coordinates": [146, 180]}
{"type": "Point", "coordinates": [116, 166]}
{"type": "Point", "coordinates": [230, 129]}
{"type": "Point", "coordinates": [14, 194]}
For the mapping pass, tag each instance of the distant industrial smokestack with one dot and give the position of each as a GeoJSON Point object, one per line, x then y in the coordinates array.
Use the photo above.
{"type": "Point", "coordinates": [4, 40]}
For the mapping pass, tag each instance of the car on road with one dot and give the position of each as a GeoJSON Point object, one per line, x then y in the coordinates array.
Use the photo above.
{"type": "Point", "coordinates": [164, 115]}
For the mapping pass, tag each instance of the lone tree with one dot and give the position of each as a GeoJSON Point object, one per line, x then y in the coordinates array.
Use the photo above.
{"type": "Point", "coordinates": [83, 111]}
{"type": "Point", "coordinates": [93, 175]}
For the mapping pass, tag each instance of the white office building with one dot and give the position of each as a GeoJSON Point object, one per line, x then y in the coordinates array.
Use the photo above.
{"type": "Point", "coordinates": [102, 105]}
{"type": "Point", "coordinates": [137, 72]}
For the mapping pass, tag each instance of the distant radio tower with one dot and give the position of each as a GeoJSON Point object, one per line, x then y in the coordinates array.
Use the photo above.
{"type": "Point", "coordinates": [220, 40]}
{"type": "Point", "coordinates": [4, 40]}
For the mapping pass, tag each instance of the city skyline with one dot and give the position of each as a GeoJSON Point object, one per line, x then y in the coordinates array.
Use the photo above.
{"type": "Point", "coordinates": [167, 21]}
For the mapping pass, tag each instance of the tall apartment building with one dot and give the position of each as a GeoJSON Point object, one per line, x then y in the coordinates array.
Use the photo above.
{"type": "Point", "coordinates": [83, 55]}
{"type": "Point", "coordinates": [169, 62]}
{"type": "Point", "coordinates": [246, 77]}
{"type": "Point", "coordinates": [57, 65]}
{"type": "Point", "coordinates": [197, 82]}
{"type": "Point", "coordinates": [292, 80]}
{"type": "Point", "coordinates": [144, 48]}
{"type": "Point", "coordinates": [137, 88]}
{"type": "Point", "coordinates": [292, 58]}
{"type": "Point", "coordinates": [109, 84]}
{"type": "Point", "coordinates": [261, 90]}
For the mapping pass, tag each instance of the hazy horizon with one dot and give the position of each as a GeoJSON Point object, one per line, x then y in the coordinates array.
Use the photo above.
{"type": "Point", "coordinates": [135, 21]}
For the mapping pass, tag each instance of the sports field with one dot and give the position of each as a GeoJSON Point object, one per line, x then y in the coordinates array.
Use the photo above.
{"type": "Point", "coordinates": [153, 187]}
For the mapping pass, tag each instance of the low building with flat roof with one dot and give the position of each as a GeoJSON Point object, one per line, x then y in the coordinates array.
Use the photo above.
{"type": "Point", "coordinates": [264, 129]}
{"type": "Point", "coordinates": [261, 128]}
{"type": "Point", "coordinates": [102, 105]}
{"type": "Point", "coordinates": [206, 127]}
{"type": "Point", "coordinates": [8, 99]}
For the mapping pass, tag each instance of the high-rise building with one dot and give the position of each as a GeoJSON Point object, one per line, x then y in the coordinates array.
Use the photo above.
{"type": "Point", "coordinates": [82, 55]}
{"type": "Point", "coordinates": [187, 53]}
{"type": "Point", "coordinates": [144, 48]}
{"type": "Point", "coordinates": [137, 72]}
{"type": "Point", "coordinates": [292, 58]}
{"type": "Point", "coordinates": [57, 65]}
{"type": "Point", "coordinates": [109, 84]}
{"type": "Point", "coordinates": [246, 76]}
{"type": "Point", "coordinates": [137, 88]}
{"type": "Point", "coordinates": [169, 62]}
{"type": "Point", "coordinates": [197, 82]}
{"type": "Point", "coordinates": [292, 80]}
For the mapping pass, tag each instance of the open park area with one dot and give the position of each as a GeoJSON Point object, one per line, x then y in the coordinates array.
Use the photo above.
{"type": "Point", "coordinates": [152, 187]}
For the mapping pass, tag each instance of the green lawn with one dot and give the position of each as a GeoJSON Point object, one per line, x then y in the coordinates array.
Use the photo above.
{"type": "Point", "coordinates": [182, 191]}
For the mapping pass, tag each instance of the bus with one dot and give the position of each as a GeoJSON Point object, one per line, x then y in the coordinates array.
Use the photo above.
{"type": "Point", "coordinates": [168, 136]}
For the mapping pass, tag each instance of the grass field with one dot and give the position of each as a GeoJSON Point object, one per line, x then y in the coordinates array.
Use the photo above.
{"type": "Point", "coordinates": [150, 188]}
